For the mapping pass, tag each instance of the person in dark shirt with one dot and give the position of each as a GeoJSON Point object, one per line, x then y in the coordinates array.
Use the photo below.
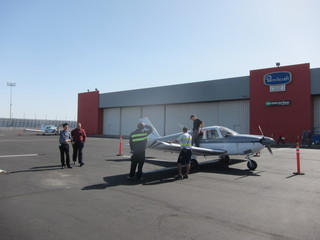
{"type": "Point", "coordinates": [78, 139]}
{"type": "Point", "coordinates": [138, 143]}
{"type": "Point", "coordinates": [197, 125]}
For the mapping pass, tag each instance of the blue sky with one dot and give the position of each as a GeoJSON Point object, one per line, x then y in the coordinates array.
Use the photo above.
{"type": "Point", "coordinates": [54, 49]}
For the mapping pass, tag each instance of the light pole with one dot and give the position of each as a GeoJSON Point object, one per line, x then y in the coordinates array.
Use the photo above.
{"type": "Point", "coordinates": [11, 84]}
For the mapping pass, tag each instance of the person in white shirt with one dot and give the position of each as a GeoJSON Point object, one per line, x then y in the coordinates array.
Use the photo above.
{"type": "Point", "coordinates": [184, 158]}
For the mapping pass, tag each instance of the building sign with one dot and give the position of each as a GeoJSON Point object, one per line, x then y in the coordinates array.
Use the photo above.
{"type": "Point", "coordinates": [278, 103]}
{"type": "Point", "coordinates": [277, 81]}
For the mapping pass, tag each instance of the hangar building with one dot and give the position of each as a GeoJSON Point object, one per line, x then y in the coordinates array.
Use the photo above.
{"type": "Point", "coordinates": [282, 99]}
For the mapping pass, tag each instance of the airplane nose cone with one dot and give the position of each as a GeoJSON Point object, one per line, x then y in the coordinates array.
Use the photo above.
{"type": "Point", "coordinates": [267, 141]}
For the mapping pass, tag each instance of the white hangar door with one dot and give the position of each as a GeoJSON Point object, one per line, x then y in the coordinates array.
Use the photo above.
{"type": "Point", "coordinates": [235, 115]}
{"type": "Point", "coordinates": [231, 114]}
{"type": "Point", "coordinates": [208, 113]}
{"type": "Point", "coordinates": [111, 121]}
{"type": "Point", "coordinates": [129, 119]}
{"type": "Point", "coordinates": [316, 111]}
{"type": "Point", "coordinates": [176, 115]}
{"type": "Point", "coordinates": [156, 116]}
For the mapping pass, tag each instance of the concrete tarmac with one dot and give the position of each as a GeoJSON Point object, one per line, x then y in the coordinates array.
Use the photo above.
{"type": "Point", "coordinates": [38, 200]}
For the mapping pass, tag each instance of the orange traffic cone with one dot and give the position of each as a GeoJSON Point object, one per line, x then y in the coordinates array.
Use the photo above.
{"type": "Point", "coordinates": [120, 147]}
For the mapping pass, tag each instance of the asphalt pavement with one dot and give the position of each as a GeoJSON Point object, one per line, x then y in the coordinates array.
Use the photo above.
{"type": "Point", "coordinates": [39, 200]}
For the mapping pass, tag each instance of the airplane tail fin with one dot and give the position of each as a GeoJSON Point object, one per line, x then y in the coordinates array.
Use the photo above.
{"type": "Point", "coordinates": [154, 134]}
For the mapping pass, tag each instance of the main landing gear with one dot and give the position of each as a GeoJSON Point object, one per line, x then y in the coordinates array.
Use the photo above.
{"type": "Point", "coordinates": [194, 163]}
{"type": "Point", "coordinates": [225, 161]}
{"type": "Point", "coordinates": [251, 164]}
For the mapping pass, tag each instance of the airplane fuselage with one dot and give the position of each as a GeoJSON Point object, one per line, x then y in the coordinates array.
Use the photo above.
{"type": "Point", "coordinates": [234, 145]}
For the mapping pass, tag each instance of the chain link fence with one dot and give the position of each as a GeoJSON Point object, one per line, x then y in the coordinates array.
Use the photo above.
{"type": "Point", "coordinates": [7, 123]}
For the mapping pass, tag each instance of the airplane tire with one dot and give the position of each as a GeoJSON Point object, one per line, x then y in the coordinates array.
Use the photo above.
{"type": "Point", "coordinates": [194, 164]}
{"type": "Point", "coordinates": [252, 165]}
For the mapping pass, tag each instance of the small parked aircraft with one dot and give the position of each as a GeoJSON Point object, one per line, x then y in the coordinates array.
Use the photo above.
{"type": "Point", "coordinates": [44, 129]}
{"type": "Point", "coordinates": [215, 140]}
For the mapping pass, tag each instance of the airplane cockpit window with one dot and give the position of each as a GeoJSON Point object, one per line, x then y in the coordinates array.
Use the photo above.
{"type": "Point", "coordinates": [226, 132]}
{"type": "Point", "coordinates": [212, 134]}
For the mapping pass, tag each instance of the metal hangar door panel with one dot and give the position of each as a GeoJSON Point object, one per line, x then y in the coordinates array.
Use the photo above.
{"type": "Point", "coordinates": [235, 115]}
{"type": "Point", "coordinates": [156, 116]}
{"type": "Point", "coordinates": [316, 111]}
{"type": "Point", "coordinates": [111, 121]}
{"type": "Point", "coordinates": [177, 114]}
{"type": "Point", "coordinates": [129, 119]}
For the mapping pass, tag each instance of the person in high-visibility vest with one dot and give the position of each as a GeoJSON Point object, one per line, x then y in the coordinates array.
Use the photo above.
{"type": "Point", "coordinates": [184, 158]}
{"type": "Point", "coordinates": [138, 143]}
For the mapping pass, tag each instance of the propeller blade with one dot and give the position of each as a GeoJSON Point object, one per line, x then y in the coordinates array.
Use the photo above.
{"type": "Point", "coordinates": [261, 130]}
{"type": "Point", "coordinates": [269, 149]}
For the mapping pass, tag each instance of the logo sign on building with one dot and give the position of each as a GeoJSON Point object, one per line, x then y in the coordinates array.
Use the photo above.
{"type": "Point", "coordinates": [277, 81]}
{"type": "Point", "coordinates": [278, 103]}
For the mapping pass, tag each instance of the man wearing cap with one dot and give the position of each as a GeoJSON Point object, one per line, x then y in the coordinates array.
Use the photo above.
{"type": "Point", "coordinates": [138, 143]}
{"type": "Point", "coordinates": [64, 140]}
{"type": "Point", "coordinates": [197, 125]}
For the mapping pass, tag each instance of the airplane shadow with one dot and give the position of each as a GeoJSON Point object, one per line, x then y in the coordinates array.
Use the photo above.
{"type": "Point", "coordinates": [160, 163]}
{"type": "Point", "coordinates": [167, 173]}
{"type": "Point", "coordinates": [39, 169]}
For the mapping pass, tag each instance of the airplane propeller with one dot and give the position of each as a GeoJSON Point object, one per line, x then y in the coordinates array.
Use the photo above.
{"type": "Point", "coordinates": [269, 149]}
{"type": "Point", "coordinates": [266, 142]}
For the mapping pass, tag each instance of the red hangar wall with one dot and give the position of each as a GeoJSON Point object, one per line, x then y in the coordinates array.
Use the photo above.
{"type": "Point", "coordinates": [281, 101]}
{"type": "Point", "coordinates": [89, 113]}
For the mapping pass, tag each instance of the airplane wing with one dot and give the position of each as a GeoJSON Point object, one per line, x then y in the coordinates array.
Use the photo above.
{"type": "Point", "coordinates": [33, 130]}
{"type": "Point", "coordinates": [174, 147]}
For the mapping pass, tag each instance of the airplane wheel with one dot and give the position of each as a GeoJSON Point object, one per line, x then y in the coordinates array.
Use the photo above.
{"type": "Point", "coordinates": [252, 165]}
{"type": "Point", "coordinates": [194, 164]}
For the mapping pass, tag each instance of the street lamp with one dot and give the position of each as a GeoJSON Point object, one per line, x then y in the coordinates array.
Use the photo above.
{"type": "Point", "coordinates": [11, 84]}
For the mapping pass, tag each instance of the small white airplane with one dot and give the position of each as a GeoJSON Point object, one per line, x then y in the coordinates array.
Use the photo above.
{"type": "Point", "coordinates": [44, 129]}
{"type": "Point", "coordinates": [215, 140]}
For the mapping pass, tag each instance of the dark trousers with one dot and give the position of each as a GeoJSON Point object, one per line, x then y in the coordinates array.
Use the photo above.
{"type": "Point", "coordinates": [195, 138]}
{"type": "Point", "coordinates": [64, 150]}
{"type": "Point", "coordinates": [280, 140]}
{"type": "Point", "coordinates": [137, 159]}
{"type": "Point", "coordinates": [77, 151]}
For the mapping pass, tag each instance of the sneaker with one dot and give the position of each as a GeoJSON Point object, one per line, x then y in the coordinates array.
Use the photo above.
{"type": "Point", "coordinates": [63, 166]}
{"type": "Point", "coordinates": [81, 164]}
{"type": "Point", "coordinates": [185, 177]}
{"type": "Point", "coordinates": [69, 166]}
{"type": "Point", "coordinates": [130, 178]}
{"type": "Point", "coordinates": [178, 177]}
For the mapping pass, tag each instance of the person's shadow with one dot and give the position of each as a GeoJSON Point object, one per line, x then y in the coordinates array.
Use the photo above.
{"type": "Point", "coordinates": [167, 175]}
{"type": "Point", "coordinates": [164, 176]}
{"type": "Point", "coordinates": [38, 169]}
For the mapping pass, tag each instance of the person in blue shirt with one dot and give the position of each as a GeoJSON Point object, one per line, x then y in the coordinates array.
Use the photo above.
{"type": "Point", "coordinates": [64, 140]}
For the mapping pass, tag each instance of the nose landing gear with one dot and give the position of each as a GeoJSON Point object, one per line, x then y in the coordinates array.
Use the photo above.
{"type": "Point", "coordinates": [251, 164]}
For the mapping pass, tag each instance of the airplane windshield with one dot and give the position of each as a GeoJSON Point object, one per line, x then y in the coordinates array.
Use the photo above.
{"type": "Point", "coordinates": [225, 132]}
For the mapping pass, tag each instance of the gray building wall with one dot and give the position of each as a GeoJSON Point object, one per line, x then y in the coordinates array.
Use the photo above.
{"type": "Point", "coordinates": [216, 102]}
{"type": "Point", "coordinates": [207, 91]}
{"type": "Point", "coordinates": [315, 81]}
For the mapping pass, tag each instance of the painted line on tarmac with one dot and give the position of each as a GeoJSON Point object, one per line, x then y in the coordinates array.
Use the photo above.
{"type": "Point", "coordinates": [20, 155]}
